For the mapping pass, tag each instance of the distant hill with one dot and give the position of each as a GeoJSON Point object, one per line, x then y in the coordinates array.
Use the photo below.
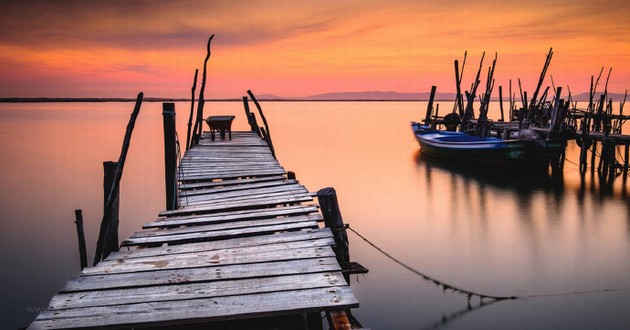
{"type": "Point", "coordinates": [378, 96]}
{"type": "Point", "coordinates": [340, 96]}
{"type": "Point", "coordinates": [584, 97]}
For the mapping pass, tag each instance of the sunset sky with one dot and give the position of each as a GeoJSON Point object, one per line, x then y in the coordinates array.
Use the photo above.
{"type": "Point", "coordinates": [115, 48]}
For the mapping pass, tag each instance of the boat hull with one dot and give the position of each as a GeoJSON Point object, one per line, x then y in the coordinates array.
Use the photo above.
{"type": "Point", "coordinates": [463, 148]}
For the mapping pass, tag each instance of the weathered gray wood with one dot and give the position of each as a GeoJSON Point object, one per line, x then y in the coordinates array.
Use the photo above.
{"type": "Point", "coordinates": [190, 172]}
{"type": "Point", "coordinates": [227, 225]}
{"type": "Point", "coordinates": [172, 292]}
{"type": "Point", "coordinates": [279, 238]}
{"type": "Point", "coordinates": [209, 273]}
{"type": "Point", "coordinates": [237, 187]}
{"type": "Point", "coordinates": [227, 175]}
{"type": "Point", "coordinates": [187, 164]}
{"type": "Point", "coordinates": [203, 209]}
{"type": "Point", "coordinates": [294, 190]}
{"type": "Point", "coordinates": [232, 216]}
{"type": "Point", "coordinates": [203, 259]}
{"type": "Point", "coordinates": [224, 234]}
{"type": "Point", "coordinates": [222, 183]}
{"type": "Point", "coordinates": [200, 310]}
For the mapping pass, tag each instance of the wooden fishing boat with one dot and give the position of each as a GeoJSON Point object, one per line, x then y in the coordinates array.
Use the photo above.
{"type": "Point", "coordinates": [526, 153]}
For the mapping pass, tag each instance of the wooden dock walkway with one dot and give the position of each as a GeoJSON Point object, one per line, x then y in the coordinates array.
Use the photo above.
{"type": "Point", "coordinates": [245, 242]}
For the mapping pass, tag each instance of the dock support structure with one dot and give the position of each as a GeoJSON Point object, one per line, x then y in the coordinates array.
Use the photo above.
{"type": "Point", "coordinates": [170, 155]}
{"type": "Point", "coordinates": [332, 219]}
{"type": "Point", "coordinates": [81, 238]}
{"type": "Point", "coordinates": [110, 239]}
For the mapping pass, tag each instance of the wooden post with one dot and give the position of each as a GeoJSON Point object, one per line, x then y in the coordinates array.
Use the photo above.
{"type": "Point", "coordinates": [262, 116]}
{"type": "Point", "coordinates": [111, 235]}
{"type": "Point", "coordinates": [170, 155]}
{"type": "Point", "coordinates": [113, 192]}
{"type": "Point", "coordinates": [501, 103]}
{"type": "Point", "coordinates": [427, 117]}
{"type": "Point", "coordinates": [199, 121]}
{"type": "Point", "coordinates": [192, 109]}
{"type": "Point", "coordinates": [593, 154]}
{"type": "Point", "coordinates": [459, 100]}
{"type": "Point", "coordinates": [626, 153]}
{"type": "Point", "coordinates": [332, 219]}
{"type": "Point", "coordinates": [81, 236]}
{"type": "Point", "coordinates": [251, 118]}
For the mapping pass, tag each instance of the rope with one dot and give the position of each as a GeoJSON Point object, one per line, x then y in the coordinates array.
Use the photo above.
{"type": "Point", "coordinates": [445, 287]}
{"type": "Point", "coordinates": [179, 169]}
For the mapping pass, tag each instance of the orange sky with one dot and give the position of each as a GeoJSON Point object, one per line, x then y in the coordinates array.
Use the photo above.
{"type": "Point", "coordinates": [118, 48]}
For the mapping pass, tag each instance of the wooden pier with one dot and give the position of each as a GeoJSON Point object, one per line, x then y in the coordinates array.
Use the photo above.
{"type": "Point", "coordinates": [243, 245]}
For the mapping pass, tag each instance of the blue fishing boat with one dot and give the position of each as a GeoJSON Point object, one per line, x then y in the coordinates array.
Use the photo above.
{"type": "Point", "coordinates": [527, 152]}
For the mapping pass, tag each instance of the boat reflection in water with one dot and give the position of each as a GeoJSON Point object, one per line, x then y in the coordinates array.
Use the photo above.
{"type": "Point", "coordinates": [495, 176]}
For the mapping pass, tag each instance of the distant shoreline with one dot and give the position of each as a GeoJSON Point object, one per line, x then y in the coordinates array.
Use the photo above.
{"type": "Point", "coordinates": [102, 100]}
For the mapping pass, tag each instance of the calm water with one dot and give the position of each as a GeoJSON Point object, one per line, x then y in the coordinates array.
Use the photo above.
{"type": "Point", "coordinates": [485, 232]}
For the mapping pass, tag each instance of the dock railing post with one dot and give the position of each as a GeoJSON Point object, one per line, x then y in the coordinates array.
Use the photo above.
{"type": "Point", "coordinates": [170, 155]}
{"type": "Point", "coordinates": [81, 237]}
{"type": "Point", "coordinates": [110, 242]}
{"type": "Point", "coordinates": [332, 219]}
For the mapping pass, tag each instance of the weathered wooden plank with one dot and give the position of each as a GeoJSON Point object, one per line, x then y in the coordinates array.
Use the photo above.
{"type": "Point", "coordinates": [223, 183]}
{"type": "Point", "coordinates": [203, 274]}
{"type": "Point", "coordinates": [226, 175]}
{"type": "Point", "coordinates": [227, 225]}
{"type": "Point", "coordinates": [203, 209]}
{"type": "Point", "coordinates": [245, 199]}
{"type": "Point", "coordinates": [237, 187]}
{"type": "Point", "coordinates": [203, 164]}
{"type": "Point", "coordinates": [232, 216]}
{"type": "Point", "coordinates": [226, 150]}
{"type": "Point", "coordinates": [205, 258]}
{"type": "Point", "coordinates": [223, 234]}
{"type": "Point", "coordinates": [199, 310]}
{"type": "Point", "coordinates": [242, 195]}
{"type": "Point", "coordinates": [211, 154]}
{"type": "Point", "coordinates": [306, 235]}
{"type": "Point", "coordinates": [183, 173]}
{"type": "Point", "coordinates": [172, 292]}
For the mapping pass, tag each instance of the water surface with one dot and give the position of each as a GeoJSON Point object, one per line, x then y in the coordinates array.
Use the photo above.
{"type": "Point", "coordinates": [564, 244]}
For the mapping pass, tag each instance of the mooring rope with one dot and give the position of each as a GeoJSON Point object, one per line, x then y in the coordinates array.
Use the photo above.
{"type": "Point", "coordinates": [445, 287]}
{"type": "Point", "coordinates": [179, 169]}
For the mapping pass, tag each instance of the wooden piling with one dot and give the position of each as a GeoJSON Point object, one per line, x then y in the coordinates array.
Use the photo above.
{"type": "Point", "coordinates": [251, 118]}
{"type": "Point", "coordinates": [81, 238]}
{"type": "Point", "coordinates": [593, 154]}
{"type": "Point", "coordinates": [111, 235]}
{"type": "Point", "coordinates": [199, 121]}
{"type": "Point", "coordinates": [170, 155]}
{"type": "Point", "coordinates": [501, 103]}
{"type": "Point", "coordinates": [332, 218]}
{"type": "Point", "coordinates": [192, 109]}
{"type": "Point", "coordinates": [113, 192]}
{"type": "Point", "coordinates": [625, 159]}
{"type": "Point", "coordinates": [427, 117]}
{"type": "Point", "coordinates": [262, 117]}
